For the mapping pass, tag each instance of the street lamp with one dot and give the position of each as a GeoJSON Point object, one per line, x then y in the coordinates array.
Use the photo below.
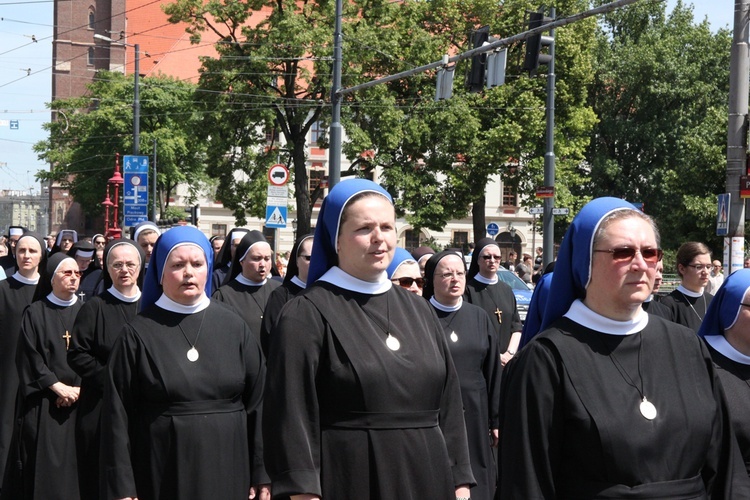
{"type": "Point", "coordinates": [136, 89]}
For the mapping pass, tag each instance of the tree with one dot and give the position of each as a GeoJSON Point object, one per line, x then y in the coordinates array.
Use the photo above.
{"type": "Point", "coordinates": [89, 131]}
{"type": "Point", "coordinates": [661, 95]}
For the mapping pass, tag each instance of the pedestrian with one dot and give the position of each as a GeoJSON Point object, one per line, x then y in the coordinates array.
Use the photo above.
{"type": "Point", "coordinates": [689, 301]}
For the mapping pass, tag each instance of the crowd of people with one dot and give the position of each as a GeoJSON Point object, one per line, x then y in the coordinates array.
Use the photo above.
{"type": "Point", "coordinates": [171, 366]}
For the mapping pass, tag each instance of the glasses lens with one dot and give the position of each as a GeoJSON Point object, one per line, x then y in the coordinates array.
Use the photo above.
{"type": "Point", "coordinates": [491, 257]}
{"type": "Point", "coordinates": [620, 254]}
{"type": "Point", "coordinates": [406, 282]}
{"type": "Point", "coordinates": [652, 255]}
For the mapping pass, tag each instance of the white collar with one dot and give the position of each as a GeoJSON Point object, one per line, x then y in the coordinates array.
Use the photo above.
{"type": "Point", "coordinates": [336, 276]}
{"type": "Point", "coordinates": [649, 299]}
{"type": "Point", "coordinates": [441, 307]}
{"type": "Point", "coordinates": [689, 293]}
{"type": "Point", "coordinates": [26, 281]}
{"type": "Point", "coordinates": [584, 316]}
{"type": "Point", "coordinates": [486, 281]}
{"type": "Point", "coordinates": [119, 295]}
{"type": "Point", "coordinates": [298, 282]}
{"type": "Point", "coordinates": [60, 302]}
{"type": "Point", "coordinates": [170, 305]}
{"type": "Point", "coordinates": [248, 282]}
{"type": "Point", "coordinates": [719, 342]}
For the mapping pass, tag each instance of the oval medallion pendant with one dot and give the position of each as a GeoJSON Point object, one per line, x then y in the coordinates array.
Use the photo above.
{"type": "Point", "coordinates": [392, 343]}
{"type": "Point", "coordinates": [648, 410]}
{"type": "Point", "coordinates": [192, 355]}
{"type": "Point", "coordinates": [454, 337]}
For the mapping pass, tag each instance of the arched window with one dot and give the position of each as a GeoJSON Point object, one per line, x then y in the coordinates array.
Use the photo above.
{"type": "Point", "coordinates": [92, 18]}
{"type": "Point", "coordinates": [91, 56]}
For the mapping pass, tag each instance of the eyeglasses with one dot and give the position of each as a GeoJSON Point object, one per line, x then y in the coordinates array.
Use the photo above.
{"type": "Point", "coordinates": [700, 267]}
{"type": "Point", "coordinates": [119, 266]}
{"type": "Point", "coordinates": [406, 282]}
{"type": "Point", "coordinates": [491, 257]}
{"type": "Point", "coordinates": [306, 257]}
{"type": "Point", "coordinates": [69, 272]}
{"type": "Point", "coordinates": [627, 254]}
{"type": "Point", "coordinates": [448, 276]}
{"type": "Point", "coordinates": [100, 243]}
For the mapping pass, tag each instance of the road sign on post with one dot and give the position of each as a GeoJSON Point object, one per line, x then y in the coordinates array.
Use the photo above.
{"type": "Point", "coordinates": [492, 229]}
{"type": "Point", "coordinates": [278, 193]}
{"type": "Point", "coordinates": [560, 211]}
{"type": "Point", "coordinates": [135, 189]}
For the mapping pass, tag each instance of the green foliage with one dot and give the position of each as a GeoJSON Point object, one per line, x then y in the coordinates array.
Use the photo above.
{"type": "Point", "coordinates": [90, 130]}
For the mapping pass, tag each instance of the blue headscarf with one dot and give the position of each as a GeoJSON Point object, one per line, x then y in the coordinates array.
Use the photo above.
{"type": "Point", "coordinates": [573, 266]}
{"type": "Point", "coordinates": [152, 288]}
{"type": "Point", "coordinates": [725, 307]}
{"type": "Point", "coordinates": [324, 255]}
{"type": "Point", "coordinates": [400, 256]}
{"type": "Point", "coordinates": [533, 322]}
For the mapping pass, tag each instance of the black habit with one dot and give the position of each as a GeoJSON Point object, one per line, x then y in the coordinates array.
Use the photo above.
{"type": "Point", "coordinates": [686, 310]}
{"type": "Point", "coordinates": [500, 303]}
{"type": "Point", "coordinates": [176, 429]}
{"type": "Point", "coordinates": [349, 418]}
{"type": "Point", "coordinates": [655, 307]}
{"type": "Point", "coordinates": [249, 301]}
{"type": "Point", "coordinates": [97, 326]}
{"type": "Point", "coordinates": [276, 301]}
{"type": "Point", "coordinates": [473, 345]}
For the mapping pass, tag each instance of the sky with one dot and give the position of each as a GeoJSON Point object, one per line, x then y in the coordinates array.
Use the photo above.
{"type": "Point", "coordinates": [26, 80]}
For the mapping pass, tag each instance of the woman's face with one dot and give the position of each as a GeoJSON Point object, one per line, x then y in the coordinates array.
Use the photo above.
{"type": "Point", "coordinates": [738, 335]}
{"type": "Point", "coordinates": [185, 275]}
{"type": "Point", "coordinates": [66, 279]}
{"type": "Point", "coordinates": [124, 266]}
{"type": "Point", "coordinates": [303, 258]}
{"type": "Point", "coordinates": [409, 270]}
{"type": "Point", "coordinates": [449, 279]}
{"type": "Point", "coordinates": [617, 288]}
{"type": "Point", "coordinates": [367, 238]}
{"type": "Point", "coordinates": [695, 275]}
{"type": "Point", "coordinates": [28, 255]}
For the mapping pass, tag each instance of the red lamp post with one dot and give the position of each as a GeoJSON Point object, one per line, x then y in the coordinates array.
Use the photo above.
{"type": "Point", "coordinates": [116, 180]}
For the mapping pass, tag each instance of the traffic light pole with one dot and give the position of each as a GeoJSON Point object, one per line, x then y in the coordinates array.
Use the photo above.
{"type": "Point", "coordinates": [549, 155]}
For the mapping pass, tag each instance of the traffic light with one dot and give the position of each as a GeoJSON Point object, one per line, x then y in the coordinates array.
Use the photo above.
{"type": "Point", "coordinates": [534, 44]}
{"type": "Point", "coordinates": [195, 214]}
{"type": "Point", "coordinates": [475, 82]}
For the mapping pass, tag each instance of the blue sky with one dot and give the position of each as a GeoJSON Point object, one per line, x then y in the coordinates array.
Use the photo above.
{"type": "Point", "coordinates": [23, 98]}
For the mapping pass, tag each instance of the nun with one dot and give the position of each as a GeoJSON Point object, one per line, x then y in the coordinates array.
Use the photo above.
{"type": "Point", "coordinates": [16, 294]}
{"type": "Point", "coordinates": [184, 388]}
{"type": "Point", "coordinates": [8, 261]}
{"type": "Point", "coordinates": [225, 256]}
{"type": "Point", "coordinates": [363, 400]}
{"type": "Point", "coordinates": [247, 286]}
{"type": "Point", "coordinates": [473, 346]}
{"type": "Point", "coordinates": [690, 300]}
{"type": "Point", "coordinates": [64, 241]}
{"type": "Point", "coordinates": [294, 282]}
{"type": "Point", "coordinates": [422, 255]}
{"type": "Point", "coordinates": [404, 271]}
{"type": "Point", "coordinates": [98, 324]}
{"type": "Point", "coordinates": [726, 331]}
{"type": "Point", "coordinates": [49, 388]}
{"type": "Point", "coordinates": [145, 235]}
{"type": "Point", "coordinates": [608, 401]}
{"type": "Point", "coordinates": [85, 255]}
{"type": "Point", "coordinates": [486, 290]}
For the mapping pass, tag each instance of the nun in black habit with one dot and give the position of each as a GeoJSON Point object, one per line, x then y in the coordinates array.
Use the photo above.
{"type": "Point", "coordinates": [363, 400]}
{"type": "Point", "coordinates": [247, 287]}
{"type": "Point", "coordinates": [184, 387]}
{"type": "Point", "coordinates": [473, 345]}
{"type": "Point", "coordinates": [49, 388]}
{"type": "Point", "coordinates": [98, 324]}
{"type": "Point", "coordinates": [85, 255]}
{"type": "Point", "coordinates": [295, 280]}
{"type": "Point", "coordinates": [16, 294]}
{"type": "Point", "coordinates": [609, 401]}
{"type": "Point", "coordinates": [224, 258]}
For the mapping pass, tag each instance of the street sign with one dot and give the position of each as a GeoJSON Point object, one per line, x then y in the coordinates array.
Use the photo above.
{"type": "Point", "coordinates": [276, 216]}
{"type": "Point", "coordinates": [545, 192]}
{"type": "Point", "coordinates": [560, 211]}
{"type": "Point", "coordinates": [744, 186]}
{"type": "Point", "coordinates": [492, 229]}
{"type": "Point", "coordinates": [278, 174]}
{"type": "Point", "coordinates": [722, 214]}
{"type": "Point", "coordinates": [135, 189]}
{"type": "Point", "coordinates": [536, 210]}
{"type": "Point", "coordinates": [14, 124]}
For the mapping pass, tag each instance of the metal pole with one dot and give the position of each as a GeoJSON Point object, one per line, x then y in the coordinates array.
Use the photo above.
{"type": "Point", "coordinates": [136, 102]}
{"type": "Point", "coordinates": [334, 155]}
{"type": "Point", "coordinates": [737, 133]}
{"type": "Point", "coordinates": [153, 189]}
{"type": "Point", "coordinates": [549, 156]}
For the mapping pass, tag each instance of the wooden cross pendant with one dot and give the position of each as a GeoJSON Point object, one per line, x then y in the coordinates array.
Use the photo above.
{"type": "Point", "coordinates": [67, 338]}
{"type": "Point", "coordinates": [499, 314]}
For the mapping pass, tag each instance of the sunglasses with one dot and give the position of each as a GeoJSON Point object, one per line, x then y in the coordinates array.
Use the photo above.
{"type": "Point", "coordinates": [68, 273]}
{"type": "Point", "coordinates": [406, 282]}
{"type": "Point", "coordinates": [627, 254]}
{"type": "Point", "coordinates": [491, 257]}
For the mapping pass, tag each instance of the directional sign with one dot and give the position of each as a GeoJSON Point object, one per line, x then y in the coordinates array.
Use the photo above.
{"type": "Point", "coordinates": [536, 210]}
{"type": "Point", "coordinates": [492, 229]}
{"type": "Point", "coordinates": [722, 215]}
{"type": "Point", "coordinates": [135, 189]}
{"type": "Point", "coordinates": [278, 174]}
{"type": "Point", "coordinates": [560, 211]}
{"type": "Point", "coordinates": [276, 216]}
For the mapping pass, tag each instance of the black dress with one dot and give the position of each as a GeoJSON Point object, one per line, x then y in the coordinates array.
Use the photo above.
{"type": "Point", "coordinates": [655, 307]}
{"type": "Point", "coordinates": [473, 346]}
{"type": "Point", "coordinates": [248, 301]}
{"type": "Point", "coordinates": [571, 426]}
{"type": "Point", "coordinates": [176, 429]}
{"type": "Point", "coordinates": [494, 298]}
{"type": "Point", "coordinates": [347, 417]}
{"type": "Point", "coordinates": [14, 298]}
{"type": "Point", "coordinates": [97, 326]}
{"type": "Point", "coordinates": [276, 301]}
{"type": "Point", "coordinates": [686, 310]}
{"type": "Point", "coordinates": [47, 433]}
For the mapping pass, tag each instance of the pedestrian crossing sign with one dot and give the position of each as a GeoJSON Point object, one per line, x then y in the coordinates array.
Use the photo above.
{"type": "Point", "coordinates": [276, 216]}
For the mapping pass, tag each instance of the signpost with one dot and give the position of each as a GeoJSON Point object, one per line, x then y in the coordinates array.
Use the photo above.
{"type": "Point", "coordinates": [493, 229]}
{"type": "Point", "coordinates": [135, 190]}
{"type": "Point", "coordinates": [560, 211]}
{"type": "Point", "coordinates": [278, 194]}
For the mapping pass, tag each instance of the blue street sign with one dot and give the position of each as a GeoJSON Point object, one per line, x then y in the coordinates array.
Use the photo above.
{"type": "Point", "coordinates": [492, 229]}
{"type": "Point", "coordinates": [276, 216]}
{"type": "Point", "coordinates": [134, 220]}
{"type": "Point", "coordinates": [135, 210]}
{"type": "Point", "coordinates": [722, 215]}
{"type": "Point", "coordinates": [135, 189]}
{"type": "Point", "coordinates": [14, 124]}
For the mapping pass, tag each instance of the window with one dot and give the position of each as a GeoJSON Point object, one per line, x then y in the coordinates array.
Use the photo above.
{"type": "Point", "coordinates": [411, 239]}
{"type": "Point", "coordinates": [272, 134]}
{"type": "Point", "coordinates": [317, 174]}
{"type": "Point", "coordinates": [317, 131]}
{"type": "Point", "coordinates": [219, 230]}
{"type": "Point", "coordinates": [92, 18]}
{"type": "Point", "coordinates": [460, 240]}
{"type": "Point", "coordinates": [510, 195]}
{"type": "Point", "coordinates": [90, 60]}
